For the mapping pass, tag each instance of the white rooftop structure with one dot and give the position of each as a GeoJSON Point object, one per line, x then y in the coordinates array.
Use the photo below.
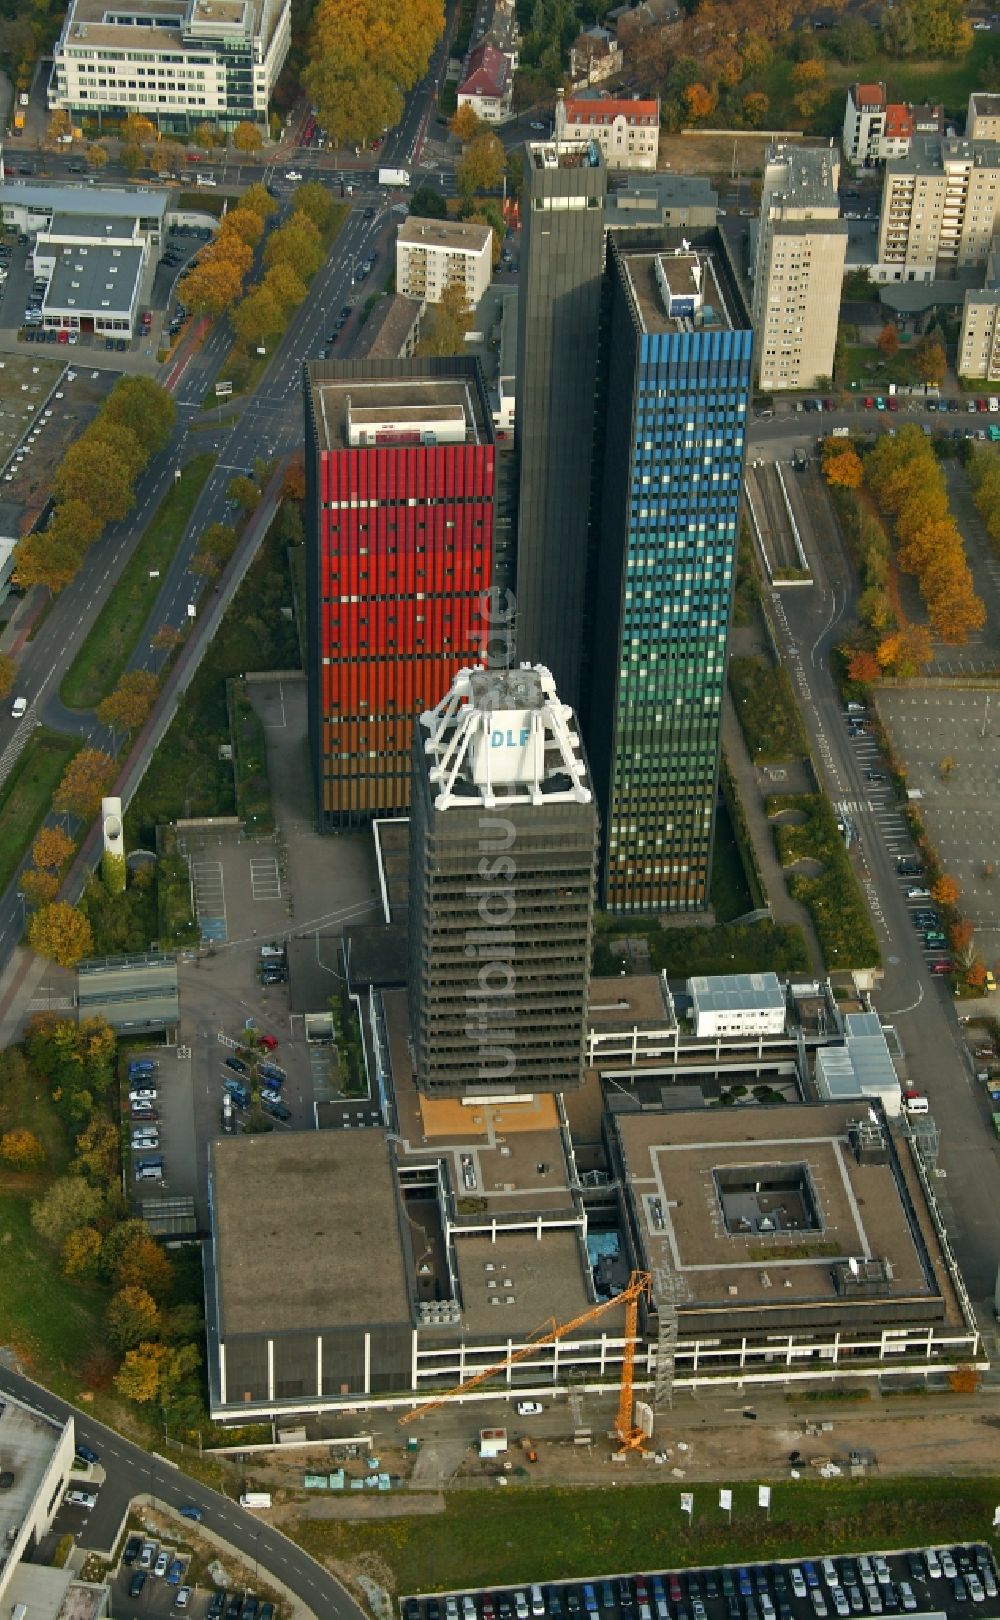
{"type": "Point", "coordinates": [737, 1004]}
{"type": "Point", "coordinates": [861, 1067]}
{"type": "Point", "coordinates": [501, 736]}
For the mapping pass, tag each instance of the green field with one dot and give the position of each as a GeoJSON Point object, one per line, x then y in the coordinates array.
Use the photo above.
{"type": "Point", "coordinates": [113, 636]}
{"type": "Point", "coordinates": [523, 1535]}
{"type": "Point", "coordinates": [26, 796]}
{"type": "Point", "coordinates": [51, 1323]}
{"type": "Point", "coordinates": [908, 79]}
{"type": "Point", "coordinates": [866, 372]}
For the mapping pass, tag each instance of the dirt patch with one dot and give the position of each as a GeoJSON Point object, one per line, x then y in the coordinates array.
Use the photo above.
{"type": "Point", "coordinates": [712, 154]}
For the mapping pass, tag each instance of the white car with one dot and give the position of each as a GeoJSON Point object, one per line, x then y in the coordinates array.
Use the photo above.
{"type": "Point", "coordinates": [82, 1499]}
{"type": "Point", "coordinates": [19, 708]}
{"type": "Point", "coordinates": [293, 174]}
{"type": "Point", "coordinates": [162, 1563]}
{"type": "Point", "coordinates": [528, 1408]}
{"type": "Point", "coordinates": [183, 1597]}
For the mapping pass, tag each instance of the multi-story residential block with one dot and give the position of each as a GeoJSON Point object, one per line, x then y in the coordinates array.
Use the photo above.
{"type": "Point", "coordinates": [503, 846]}
{"type": "Point", "coordinates": [399, 489]}
{"type": "Point", "coordinates": [562, 256]}
{"type": "Point", "coordinates": [627, 131]}
{"type": "Point", "coordinates": [594, 55]}
{"type": "Point", "coordinates": [391, 330]}
{"type": "Point", "coordinates": [940, 208]}
{"type": "Point", "coordinates": [864, 123]}
{"type": "Point", "coordinates": [488, 84]}
{"type": "Point", "coordinates": [983, 118]}
{"type": "Point", "coordinates": [798, 276]}
{"type": "Point", "coordinates": [979, 344]}
{"type": "Point", "coordinates": [432, 254]}
{"type": "Point", "coordinates": [678, 391]}
{"type": "Point", "coordinates": [876, 129]}
{"type": "Point", "coordinates": [177, 62]}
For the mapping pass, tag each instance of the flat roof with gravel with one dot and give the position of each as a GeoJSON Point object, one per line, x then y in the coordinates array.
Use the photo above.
{"type": "Point", "coordinates": [307, 1232]}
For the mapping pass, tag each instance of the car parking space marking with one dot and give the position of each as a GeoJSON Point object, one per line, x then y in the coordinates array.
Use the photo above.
{"type": "Point", "coordinates": [209, 899]}
{"type": "Point", "coordinates": [265, 881]}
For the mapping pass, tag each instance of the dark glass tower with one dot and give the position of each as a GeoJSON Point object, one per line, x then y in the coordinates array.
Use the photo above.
{"type": "Point", "coordinates": [503, 848]}
{"type": "Point", "coordinates": [679, 347]}
{"type": "Point", "coordinates": [558, 316]}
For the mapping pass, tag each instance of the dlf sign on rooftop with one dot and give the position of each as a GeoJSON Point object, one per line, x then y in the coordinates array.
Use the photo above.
{"type": "Point", "coordinates": [509, 748]}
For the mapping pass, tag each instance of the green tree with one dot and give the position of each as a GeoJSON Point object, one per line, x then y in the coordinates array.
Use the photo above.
{"type": "Point", "coordinates": [130, 704]}
{"type": "Point", "coordinates": [482, 165]}
{"type": "Point", "coordinates": [257, 317]}
{"type": "Point", "coordinates": [315, 202]}
{"type": "Point", "coordinates": [145, 409]}
{"type": "Point", "coordinates": [143, 1264]}
{"type": "Point", "coordinates": [131, 158]}
{"type": "Point", "coordinates": [61, 933]}
{"type": "Point", "coordinates": [84, 783]}
{"type": "Point", "coordinates": [443, 329]}
{"type": "Point", "coordinates": [138, 1378]}
{"type": "Point", "coordinates": [100, 469]}
{"type": "Point", "coordinates": [20, 1149]}
{"type": "Point", "coordinates": [80, 1250]}
{"type": "Point", "coordinates": [69, 1202]}
{"type": "Point", "coordinates": [132, 1315]}
{"type": "Point", "coordinates": [244, 492]}
{"type": "Point", "coordinates": [296, 244]}
{"type": "Point", "coordinates": [247, 137]}
{"type": "Point", "coordinates": [259, 200]}
{"type": "Point", "coordinates": [285, 286]}
{"type": "Point", "coordinates": [97, 1152]}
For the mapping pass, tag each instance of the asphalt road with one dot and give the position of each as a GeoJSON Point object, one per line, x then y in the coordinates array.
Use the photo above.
{"type": "Point", "coordinates": [810, 623]}
{"type": "Point", "coordinates": [133, 1472]}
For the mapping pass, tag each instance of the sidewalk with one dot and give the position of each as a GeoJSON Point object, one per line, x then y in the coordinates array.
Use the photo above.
{"type": "Point", "coordinates": [784, 910]}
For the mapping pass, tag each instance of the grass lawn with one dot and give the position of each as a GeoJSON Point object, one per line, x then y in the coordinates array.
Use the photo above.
{"type": "Point", "coordinates": [26, 795]}
{"type": "Point", "coordinates": [522, 1534]}
{"type": "Point", "coordinates": [766, 709]}
{"type": "Point", "coordinates": [907, 80]}
{"type": "Point", "coordinates": [112, 639]}
{"type": "Point", "coordinates": [52, 1323]}
{"type": "Point", "coordinates": [865, 370]}
{"type": "Point", "coordinates": [728, 890]}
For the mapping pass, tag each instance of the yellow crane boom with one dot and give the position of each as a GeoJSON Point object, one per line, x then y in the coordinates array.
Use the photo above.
{"type": "Point", "coordinates": [638, 1287]}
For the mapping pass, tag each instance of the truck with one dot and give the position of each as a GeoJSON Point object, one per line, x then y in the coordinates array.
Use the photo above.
{"type": "Point", "coordinates": [255, 1499]}
{"type": "Point", "coordinates": [393, 177]}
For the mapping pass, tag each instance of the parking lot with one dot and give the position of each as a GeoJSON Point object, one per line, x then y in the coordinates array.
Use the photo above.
{"type": "Point", "coordinates": [955, 1581]}
{"type": "Point", "coordinates": [159, 1578]}
{"type": "Point", "coordinates": [947, 741]}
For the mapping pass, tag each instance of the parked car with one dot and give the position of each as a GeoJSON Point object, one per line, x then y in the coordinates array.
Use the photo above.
{"type": "Point", "coordinates": [237, 1065]}
{"type": "Point", "coordinates": [189, 1511]}
{"type": "Point", "coordinates": [137, 1583]}
{"type": "Point", "coordinates": [162, 1564]}
{"type": "Point", "coordinates": [81, 1499]}
{"type": "Point", "coordinates": [277, 1110]}
{"type": "Point", "coordinates": [132, 1549]}
{"type": "Point", "coordinates": [175, 1570]}
{"type": "Point", "coordinates": [86, 1455]}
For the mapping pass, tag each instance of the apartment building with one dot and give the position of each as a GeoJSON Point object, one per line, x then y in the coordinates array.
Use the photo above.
{"type": "Point", "coordinates": [488, 85]}
{"type": "Point", "coordinates": [864, 123]}
{"type": "Point", "coordinates": [177, 62]}
{"type": "Point", "coordinates": [940, 207]}
{"type": "Point", "coordinates": [799, 270]}
{"type": "Point", "coordinates": [626, 131]}
{"type": "Point", "coordinates": [983, 120]}
{"type": "Point", "coordinates": [432, 254]}
{"type": "Point", "coordinates": [979, 345]}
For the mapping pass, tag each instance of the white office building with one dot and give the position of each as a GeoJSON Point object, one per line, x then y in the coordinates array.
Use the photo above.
{"type": "Point", "coordinates": [737, 1004]}
{"type": "Point", "coordinates": [177, 62]}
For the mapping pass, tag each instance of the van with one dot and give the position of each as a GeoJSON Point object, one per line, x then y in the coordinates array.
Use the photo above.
{"type": "Point", "coordinates": [915, 1103]}
{"type": "Point", "coordinates": [537, 1601]}
{"type": "Point", "coordinates": [149, 1172]}
{"type": "Point", "coordinates": [855, 708]}
{"type": "Point", "coordinates": [205, 180]}
{"type": "Point", "coordinates": [19, 708]}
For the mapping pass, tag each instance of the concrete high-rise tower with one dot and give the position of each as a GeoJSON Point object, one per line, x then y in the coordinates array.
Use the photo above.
{"type": "Point", "coordinates": [399, 495]}
{"type": "Point", "coordinates": [679, 352]}
{"type": "Point", "coordinates": [503, 843]}
{"type": "Point", "coordinates": [558, 316]}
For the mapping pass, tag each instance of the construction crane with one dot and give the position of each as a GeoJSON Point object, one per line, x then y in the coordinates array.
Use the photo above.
{"type": "Point", "coordinates": [639, 1287]}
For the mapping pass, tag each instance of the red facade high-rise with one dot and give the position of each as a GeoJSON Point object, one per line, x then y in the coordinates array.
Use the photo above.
{"type": "Point", "coordinates": [400, 480]}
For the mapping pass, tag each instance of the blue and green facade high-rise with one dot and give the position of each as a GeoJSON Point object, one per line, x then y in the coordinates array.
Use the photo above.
{"type": "Point", "coordinates": [678, 353]}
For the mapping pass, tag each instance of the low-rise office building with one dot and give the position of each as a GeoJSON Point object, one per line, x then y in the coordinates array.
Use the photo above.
{"type": "Point", "coordinates": [36, 1459]}
{"type": "Point", "coordinates": [737, 1004]}
{"type": "Point", "coordinates": [626, 131]}
{"type": "Point", "coordinates": [432, 254]}
{"type": "Point", "coordinates": [177, 62]}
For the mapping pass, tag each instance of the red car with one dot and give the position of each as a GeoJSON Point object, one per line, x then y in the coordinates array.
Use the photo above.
{"type": "Point", "coordinates": [192, 157]}
{"type": "Point", "coordinates": [940, 967]}
{"type": "Point", "coordinates": [268, 1042]}
{"type": "Point", "coordinates": [869, 403]}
